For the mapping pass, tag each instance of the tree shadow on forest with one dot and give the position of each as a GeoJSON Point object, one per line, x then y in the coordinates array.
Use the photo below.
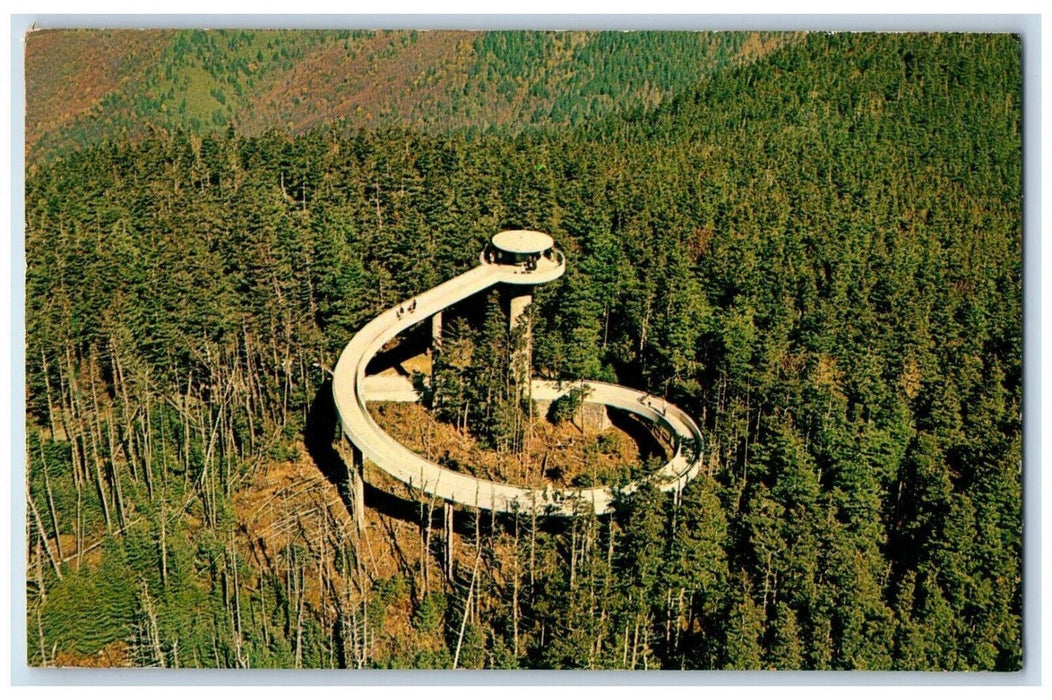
{"type": "Point", "coordinates": [640, 431]}
{"type": "Point", "coordinates": [412, 342]}
{"type": "Point", "coordinates": [319, 437]}
{"type": "Point", "coordinates": [319, 434]}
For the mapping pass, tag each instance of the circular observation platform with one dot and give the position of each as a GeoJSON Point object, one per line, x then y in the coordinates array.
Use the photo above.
{"type": "Point", "coordinates": [522, 243]}
{"type": "Point", "coordinates": [527, 257]}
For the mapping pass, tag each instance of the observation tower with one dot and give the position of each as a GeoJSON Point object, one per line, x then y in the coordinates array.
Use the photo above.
{"type": "Point", "coordinates": [514, 262]}
{"type": "Point", "coordinates": [534, 255]}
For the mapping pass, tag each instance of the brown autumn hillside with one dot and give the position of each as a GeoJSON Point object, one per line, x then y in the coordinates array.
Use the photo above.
{"type": "Point", "coordinates": [68, 72]}
{"type": "Point", "coordinates": [88, 86]}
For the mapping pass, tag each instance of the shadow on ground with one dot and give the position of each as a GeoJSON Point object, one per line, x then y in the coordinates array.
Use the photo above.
{"type": "Point", "coordinates": [319, 436]}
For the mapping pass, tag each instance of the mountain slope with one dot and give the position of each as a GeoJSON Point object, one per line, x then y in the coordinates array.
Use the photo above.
{"type": "Point", "coordinates": [86, 86]}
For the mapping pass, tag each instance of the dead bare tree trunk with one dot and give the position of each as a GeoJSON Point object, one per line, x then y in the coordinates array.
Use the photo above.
{"type": "Point", "coordinates": [164, 548]}
{"type": "Point", "coordinates": [47, 390]}
{"type": "Point", "coordinates": [515, 593]}
{"type": "Point", "coordinates": [242, 662]}
{"type": "Point", "coordinates": [43, 534]}
{"type": "Point", "coordinates": [426, 558]}
{"type": "Point", "coordinates": [152, 635]}
{"type": "Point", "coordinates": [447, 517]}
{"type": "Point", "coordinates": [467, 608]}
{"type": "Point", "coordinates": [51, 505]}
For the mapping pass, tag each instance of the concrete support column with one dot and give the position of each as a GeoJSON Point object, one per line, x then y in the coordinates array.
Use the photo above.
{"type": "Point", "coordinates": [594, 418]}
{"type": "Point", "coordinates": [356, 486]}
{"type": "Point", "coordinates": [517, 304]}
{"type": "Point", "coordinates": [436, 331]}
{"type": "Point", "coordinates": [353, 489]}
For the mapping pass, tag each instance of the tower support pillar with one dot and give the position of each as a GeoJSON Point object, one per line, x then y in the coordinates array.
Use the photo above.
{"type": "Point", "coordinates": [519, 321]}
{"type": "Point", "coordinates": [517, 304]}
{"type": "Point", "coordinates": [436, 331]}
{"type": "Point", "coordinates": [357, 487]}
{"type": "Point", "coordinates": [354, 462]}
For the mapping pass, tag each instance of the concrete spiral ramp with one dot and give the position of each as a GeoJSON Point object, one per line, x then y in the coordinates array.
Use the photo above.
{"type": "Point", "coordinates": [352, 390]}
